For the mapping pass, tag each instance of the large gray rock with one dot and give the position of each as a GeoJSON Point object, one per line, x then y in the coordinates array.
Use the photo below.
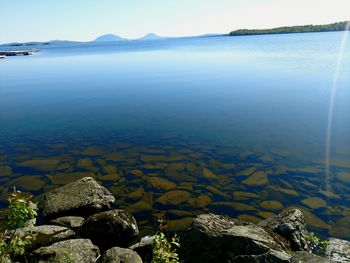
{"type": "Point", "coordinates": [214, 238]}
{"type": "Point", "coordinates": [290, 225]}
{"type": "Point", "coordinates": [44, 235]}
{"type": "Point", "coordinates": [72, 222]}
{"type": "Point", "coordinates": [83, 197]}
{"type": "Point", "coordinates": [306, 257]}
{"type": "Point", "coordinates": [338, 250]}
{"type": "Point", "coordinates": [72, 251]}
{"type": "Point", "coordinates": [144, 248]}
{"type": "Point", "coordinates": [110, 228]}
{"type": "Point", "coordinates": [120, 255]}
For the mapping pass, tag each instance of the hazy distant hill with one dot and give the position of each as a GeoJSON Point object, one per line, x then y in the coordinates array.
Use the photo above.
{"type": "Point", "coordinates": [340, 26]}
{"type": "Point", "coordinates": [108, 37]}
{"type": "Point", "coordinates": [151, 36]}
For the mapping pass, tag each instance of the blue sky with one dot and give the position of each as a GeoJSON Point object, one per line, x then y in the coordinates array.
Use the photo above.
{"type": "Point", "coordinates": [84, 20]}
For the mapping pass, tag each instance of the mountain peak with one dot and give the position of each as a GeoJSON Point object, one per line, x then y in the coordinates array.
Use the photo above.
{"type": "Point", "coordinates": [151, 36]}
{"type": "Point", "coordinates": [108, 37]}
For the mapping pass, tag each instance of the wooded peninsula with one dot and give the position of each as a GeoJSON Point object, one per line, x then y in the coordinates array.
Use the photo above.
{"type": "Point", "coordinates": [340, 26]}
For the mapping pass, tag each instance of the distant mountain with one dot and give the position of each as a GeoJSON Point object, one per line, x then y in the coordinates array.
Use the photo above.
{"type": "Point", "coordinates": [151, 36]}
{"type": "Point", "coordinates": [108, 37]}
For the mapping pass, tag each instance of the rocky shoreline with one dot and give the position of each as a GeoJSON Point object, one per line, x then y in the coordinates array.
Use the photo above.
{"type": "Point", "coordinates": [81, 226]}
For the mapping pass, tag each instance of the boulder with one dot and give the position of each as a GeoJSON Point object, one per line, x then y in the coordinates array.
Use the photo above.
{"type": "Point", "coordinates": [83, 197]}
{"type": "Point", "coordinates": [290, 225]}
{"type": "Point", "coordinates": [110, 228]}
{"type": "Point", "coordinates": [214, 238]}
{"type": "Point", "coordinates": [306, 257]}
{"type": "Point", "coordinates": [144, 248]}
{"type": "Point", "coordinates": [72, 251]}
{"type": "Point", "coordinates": [44, 235]}
{"type": "Point", "coordinates": [72, 222]}
{"type": "Point", "coordinates": [338, 250]}
{"type": "Point", "coordinates": [120, 255]}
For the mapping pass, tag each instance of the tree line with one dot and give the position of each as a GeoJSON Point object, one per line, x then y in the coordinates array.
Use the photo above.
{"type": "Point", "coordinates": [340, 26]}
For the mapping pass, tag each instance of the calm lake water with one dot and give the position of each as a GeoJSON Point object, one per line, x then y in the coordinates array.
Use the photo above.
{"type": "Point", "coordinates": [178, 127]}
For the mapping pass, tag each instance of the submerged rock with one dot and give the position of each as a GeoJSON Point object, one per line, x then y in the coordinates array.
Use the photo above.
{"type": "Point", "coordinates": [271, 205]}
{"type": "Point", "coordinates": [29, 182]}
{"type": "Point", "coordinates": [5, 171]}
{"type": "Point", "coordinates": [83, 163]}
{"type": "Point", "coordinates": [66, 178]}
{"type": "Point", "coordinates": [249, 218]}
{"type": "Point", "coordinates": [120, 255]}
{"type": "Point", "coordinates": [256, 179]}
{"type": "Point", "coordinates": [40, 164]}
{"type": "Point", "coordinates": [140, 206]}
{"type": "Point", "coordinates": [291, 226]}
{"type": "Point", "coordinates": [72, 251]}
{"type": "Point", "coordinates": [161, 183]}
{"type": "Point", "coordinates": [92, 151]}
{"type": "Point", "coordinates": [110, 228]}
{"type": "Point", "coordinates": [200, 201]}
{"type": "Point", "coordinates": [209, 174]}
{"type": "Point", "coordinates": [235, 205]}
{"type": "Point", "coordinates": [174, 197]}
{"type": "Point", "coordinates": [244, 195]}
{"type": "Point", "coordinates": [44, 235]}
{"type": "Point", "coordinates": [338, 250]}
{"type": "Point", "coordinates": [82, 197]}
{"type": "Point", "coordinates": [179, 224]}
{"type": "Point", "coordinates": [214, 238]}
{"type": "Point", "coordinates": [314, 202]}
{"type": "Point", "coordinates": [344, 177]}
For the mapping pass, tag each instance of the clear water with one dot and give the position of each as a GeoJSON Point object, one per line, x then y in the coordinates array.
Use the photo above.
{"type": "Point", "coordinates": [176, 109]}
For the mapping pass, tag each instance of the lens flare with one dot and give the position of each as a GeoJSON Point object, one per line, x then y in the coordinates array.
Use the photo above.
{"type": "Point", "coordinates": [332, 101]}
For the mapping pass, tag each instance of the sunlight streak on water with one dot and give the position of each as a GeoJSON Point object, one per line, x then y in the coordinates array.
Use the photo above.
{"type": "Point", "coordinates": [332, 101]}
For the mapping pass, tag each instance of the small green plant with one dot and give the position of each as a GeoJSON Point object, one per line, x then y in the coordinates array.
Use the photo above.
{"type": "Point", "coordinates": [164, 251]}
{"type": "Point", "coordinates": [21, 210]}
{"type": "Point", "coordinates": [317, 246]}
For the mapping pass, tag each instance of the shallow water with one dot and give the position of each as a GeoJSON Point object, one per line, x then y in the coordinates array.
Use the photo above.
{"type": "Point", "coordinates": [178, 127]}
